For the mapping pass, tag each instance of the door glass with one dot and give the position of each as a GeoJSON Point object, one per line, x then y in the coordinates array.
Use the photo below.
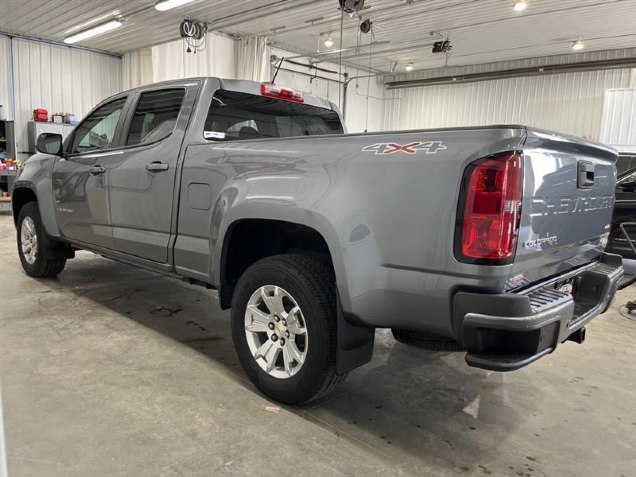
{"type": "Point", "coordinates": [97, 131]}
{"type": "Point", "coordinates": [155, 116]}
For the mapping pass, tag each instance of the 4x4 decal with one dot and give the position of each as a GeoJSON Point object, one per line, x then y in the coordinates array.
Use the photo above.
{"type": "Point", "coordinates": [429, 147]}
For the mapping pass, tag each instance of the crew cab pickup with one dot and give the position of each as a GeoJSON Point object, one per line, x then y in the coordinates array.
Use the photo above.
{"type": "Point", "coordinates": [487, 240]}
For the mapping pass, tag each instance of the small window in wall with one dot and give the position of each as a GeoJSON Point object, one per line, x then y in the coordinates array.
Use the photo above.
{"type": "Point", "coordinates": [155, 116]}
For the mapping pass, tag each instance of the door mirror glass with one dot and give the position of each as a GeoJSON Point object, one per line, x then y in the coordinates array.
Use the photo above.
{"type": "Point", "coordinates": [49, 143]}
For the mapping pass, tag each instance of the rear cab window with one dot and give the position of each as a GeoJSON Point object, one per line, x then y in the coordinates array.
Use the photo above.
{"type": "Point", "coordinates": [239, 116]}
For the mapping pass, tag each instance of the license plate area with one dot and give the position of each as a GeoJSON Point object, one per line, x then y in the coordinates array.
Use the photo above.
{"type": "Point", "coordinates": [568, 286]}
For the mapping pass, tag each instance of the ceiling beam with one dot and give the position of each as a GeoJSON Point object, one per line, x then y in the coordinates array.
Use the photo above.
{"type": "Point", "coordinates": [621, 63]}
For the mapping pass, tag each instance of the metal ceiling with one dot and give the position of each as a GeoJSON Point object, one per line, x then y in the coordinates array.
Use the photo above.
{"type": "Point", "coordinates": [481, 31]}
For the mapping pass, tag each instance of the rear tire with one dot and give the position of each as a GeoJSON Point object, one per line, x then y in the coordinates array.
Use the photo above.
{"type": "Point", "coordinates": [34, 247]}
{"type": "Point", "coordinates": [301, 291]}
{"type": "Point", "coordinates": [427, 341]}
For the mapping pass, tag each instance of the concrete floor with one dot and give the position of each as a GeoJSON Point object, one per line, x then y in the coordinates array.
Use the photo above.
{"type": "Point", "coordinates": [113, 371]}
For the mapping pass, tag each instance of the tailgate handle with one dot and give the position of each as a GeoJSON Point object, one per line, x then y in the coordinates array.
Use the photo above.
{"type": "Point", "coordinates": [586, 175]}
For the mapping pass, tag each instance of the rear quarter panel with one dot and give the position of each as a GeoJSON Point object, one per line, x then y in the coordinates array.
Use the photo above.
{"type": "Point", "coordinates": [388, 219]}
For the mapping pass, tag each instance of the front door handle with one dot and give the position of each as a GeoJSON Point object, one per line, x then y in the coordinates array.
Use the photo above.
{"type": "Point", "coordinates": [157, 166]}
{"type": "Point", "coordinates": [97, 170]}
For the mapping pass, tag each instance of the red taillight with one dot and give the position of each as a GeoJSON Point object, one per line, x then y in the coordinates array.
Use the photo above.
{"type": "Point", "coordinates": [278, 92]}
{"type": "Point", "coordinates": [492, 209]}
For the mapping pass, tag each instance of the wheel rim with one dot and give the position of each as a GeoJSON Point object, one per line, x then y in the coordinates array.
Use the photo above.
{"type": "Point", "coordinates": [29, 240]}
{"type": "Point", "coordinates": [276, 331]}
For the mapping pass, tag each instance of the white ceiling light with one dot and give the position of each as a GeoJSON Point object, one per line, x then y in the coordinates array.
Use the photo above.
{"type": "Point", "coordinates": [329, 42]}
{"type": "Point", "coordinates": [98, 30]}
{"type": "Point", "coordinates": [100, 20]}
{"type": "Point", "coordinates": [578, 45]}
{"type": "Point", "coordinates": [520, 5]}
{"type": "Point", "coordinates": [409, 66]}
{"type": "Point", "coordinates": [170, 4]}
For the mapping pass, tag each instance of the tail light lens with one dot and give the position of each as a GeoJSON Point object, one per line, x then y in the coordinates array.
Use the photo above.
{"type": "Point", "coordinates": [492, 209]}
{"type": "Point", "coordinates": [278, 92]}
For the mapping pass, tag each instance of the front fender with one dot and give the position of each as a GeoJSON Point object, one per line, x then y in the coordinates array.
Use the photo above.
{"type": "Point", "coordinates": [36, 176]}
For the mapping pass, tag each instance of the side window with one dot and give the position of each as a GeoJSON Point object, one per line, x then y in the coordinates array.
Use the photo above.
{"type": "Point", "coordinates": [97, 131]}
{"type": "Point", "coordinates": [155, 116]}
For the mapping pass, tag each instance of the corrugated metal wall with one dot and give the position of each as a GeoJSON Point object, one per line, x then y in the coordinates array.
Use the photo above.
{"type": "Point", "coordinates": [5, 78]}
{"type": "Point", "coordinates": [619, 117]}
{"type": "Point", "coordinates": [570, 103]}
{"type": "Point", "coordinates": [59, 79]}
{"type": "Point", "coordinates": [171, 61]}
{"type": "Point", "coordinates": [363, 112]}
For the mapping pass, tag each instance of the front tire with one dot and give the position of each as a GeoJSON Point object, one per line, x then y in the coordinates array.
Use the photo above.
{"type": "Point", "coordinates": [284, 327]}
{"type": "Point", "coordinates": [34, 247]}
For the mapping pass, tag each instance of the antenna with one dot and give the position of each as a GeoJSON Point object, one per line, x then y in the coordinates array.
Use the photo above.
{"type": "Point", "coordinates": [278, 69]}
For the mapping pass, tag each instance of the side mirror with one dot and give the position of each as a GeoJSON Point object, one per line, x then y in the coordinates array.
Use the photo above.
{"type": "Point", "coordinates": [49, 143]}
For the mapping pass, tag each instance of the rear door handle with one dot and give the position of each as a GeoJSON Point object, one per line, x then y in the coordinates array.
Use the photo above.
{"type": "Point", "coordinates": [157, 166]}
{"type": "Point", "coordinates": [97, 170]}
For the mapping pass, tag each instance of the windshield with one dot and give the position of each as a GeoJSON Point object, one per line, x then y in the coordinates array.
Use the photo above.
{"type": "Point", "coordinates": [240, 116]}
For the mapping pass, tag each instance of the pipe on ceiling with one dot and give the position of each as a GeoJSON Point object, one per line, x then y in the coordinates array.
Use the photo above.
{"type": "Point", "coordinates": [621, 63]}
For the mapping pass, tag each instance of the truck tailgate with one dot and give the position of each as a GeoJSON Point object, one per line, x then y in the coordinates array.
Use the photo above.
{"type": "Point", "coordinates": [567, 206]}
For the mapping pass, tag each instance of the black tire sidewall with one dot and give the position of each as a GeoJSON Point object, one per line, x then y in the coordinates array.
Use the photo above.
{"type": "Point", "coordinates": [31, 210]}
{"type": "Point", "coordinates": [321, 345]}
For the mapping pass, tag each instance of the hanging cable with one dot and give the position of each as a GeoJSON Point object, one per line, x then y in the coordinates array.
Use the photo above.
{"type": "Point", "coordinates": [366, 124]}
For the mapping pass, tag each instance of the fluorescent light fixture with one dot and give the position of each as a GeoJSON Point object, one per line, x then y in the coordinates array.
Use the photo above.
{"type": "Point", "coordinates": [329, 42]}
{"type": "Point", "coordinates": [409, 66]}
{"type": "Point", "coordinates": [100, 20]}
{"type": "Point", "coordinates": [90, 33]}
{"type": "Point", "coordinates": [170, 4]}
{"type": "Point", "coordinates": [520, 5]}
{"type": "Point", "coordinates": [578, 45]}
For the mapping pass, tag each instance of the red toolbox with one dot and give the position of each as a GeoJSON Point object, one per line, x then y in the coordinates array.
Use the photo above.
{"type": "Point", "coordinates": [40, 115]}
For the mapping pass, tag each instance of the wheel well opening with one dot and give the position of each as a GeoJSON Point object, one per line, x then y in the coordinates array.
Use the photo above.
{"type": "Point", "coordinates": [251, 240]}
{"type": "Point", "coordinates": [19, 197]}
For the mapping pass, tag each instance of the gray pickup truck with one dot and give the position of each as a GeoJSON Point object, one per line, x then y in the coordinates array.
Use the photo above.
{"type": "Point", "coordinates": [484, 240]}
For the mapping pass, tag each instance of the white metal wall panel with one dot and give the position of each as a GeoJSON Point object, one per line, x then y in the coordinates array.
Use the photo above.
{"type": "Point", "coordinates": [59, 79]}
{"type": "Point", "coordinates": [137, 68]}
{"type": "Point", "coordinates": [363, 112]}
{"type": "Point", "coordinates": [5, 77]}
{"type": "Point", "coordinates": [171, 61]}
{"type": "Point", "coordinates": [569, 103]}
{"type": "Point", "coordinates": [619, 117]}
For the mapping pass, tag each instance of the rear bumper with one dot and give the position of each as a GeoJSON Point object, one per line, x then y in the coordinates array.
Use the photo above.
{"type": "Point", "coordinates": [506, 332]}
